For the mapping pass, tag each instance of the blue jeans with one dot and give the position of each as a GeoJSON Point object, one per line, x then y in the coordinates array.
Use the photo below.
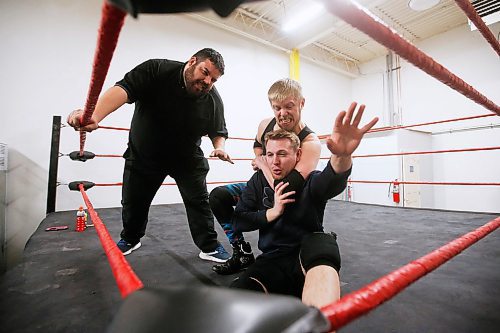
{"type": "Point", "coordinates": [222, 201]}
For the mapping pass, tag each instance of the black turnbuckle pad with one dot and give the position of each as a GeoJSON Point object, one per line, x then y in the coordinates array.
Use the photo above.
{"type": "Point", "coordinates": [74, 186]}
{"type": "Point", "coordinates": [87, 155]}
{"type": "Point", "coordinates": [221, 7]}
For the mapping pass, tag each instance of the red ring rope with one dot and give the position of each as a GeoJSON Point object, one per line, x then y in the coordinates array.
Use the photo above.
{"type": "Point", "coordinates": [390, 128]}
{"type": "Point", "coordinates": [111, 24]}
{"type": "Point", "coordinates": [353, 156]}
{"type": "Point", "coordinates": [376, 129]}
{"type": "Point", "coordinates": [421, 152]}
{"type": "Point", "coordinates": [479, 23]}
{"type": "Point", "coordinates": [125, 277]}
{"type": "Point", "coordinates": [422, 183]}
{"type": "Point", "coordinates": [128, 129]}
{"type": "Point", "coordinates": [349, 181]}
{"type": "Point", "coordinates": [356, 17]}
{"type": "Point", "coordinates": [367, 298]}
{"type": "Point", "coordinates": [115, 128]}
{"type": "Point", "coordinates": [107, 155]}
{"type": "Point", "coordinates": [171, 184]}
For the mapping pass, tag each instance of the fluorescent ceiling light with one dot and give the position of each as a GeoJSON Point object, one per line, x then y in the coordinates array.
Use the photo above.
{"type": "Point", "coordinates": [303, 16]}
{"type": "Point", "coordinates": [421, 5]}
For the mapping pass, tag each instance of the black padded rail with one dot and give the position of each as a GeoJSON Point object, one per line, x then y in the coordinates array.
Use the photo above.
{"type": "Point", "coordinates": [75, 186]}
{"type": "Point", "coordinates": [221, 7]}
{"type": "Point", "coordinates": [214, 310]}
{"type": "Point", "coordinates": [87, 155]}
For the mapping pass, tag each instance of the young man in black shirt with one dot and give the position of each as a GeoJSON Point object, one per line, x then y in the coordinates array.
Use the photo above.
{"type": "Point", "coordinates": [175, 105]}
{"type": "Point", "coordinates": [297, 258]}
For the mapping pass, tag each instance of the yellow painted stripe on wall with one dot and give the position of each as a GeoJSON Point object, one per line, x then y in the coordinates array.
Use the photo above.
{"type": "Point", "coordinates": [295, 65]}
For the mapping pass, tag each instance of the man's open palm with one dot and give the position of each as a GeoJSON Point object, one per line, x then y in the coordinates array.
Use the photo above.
{"type": "Point", "coordinates": [346, 135]}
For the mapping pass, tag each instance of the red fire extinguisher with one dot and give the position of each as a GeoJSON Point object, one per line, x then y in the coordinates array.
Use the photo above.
{"type": "Point", "coordinates": [395, 191]}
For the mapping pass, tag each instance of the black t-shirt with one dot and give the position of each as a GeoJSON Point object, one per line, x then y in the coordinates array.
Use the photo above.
{"type": "Point", "coordinates": [168, 123]}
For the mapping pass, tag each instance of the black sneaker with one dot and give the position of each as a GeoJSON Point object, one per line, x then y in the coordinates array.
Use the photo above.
{"type": "Point", "coordinates": [127, 247]}
{"type": "Point", "coordinates": [242, 258]}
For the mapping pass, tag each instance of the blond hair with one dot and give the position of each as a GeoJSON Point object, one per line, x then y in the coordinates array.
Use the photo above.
{"type": "Point", "coordinates": [284, 88]}
{"type": "Point", "coordinates": [282, 134]}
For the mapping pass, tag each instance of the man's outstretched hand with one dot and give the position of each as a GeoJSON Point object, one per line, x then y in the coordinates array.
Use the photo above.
{"type": "Point", "coordinates": [346, 135]}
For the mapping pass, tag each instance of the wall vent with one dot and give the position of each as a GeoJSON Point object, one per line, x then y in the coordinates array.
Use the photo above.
{"type": "Point", "coordinates": [3, 157]}
{"type": "Point", "coordinates": [3, 209]}
{"type": "Point", "coordinates": [488, 10]}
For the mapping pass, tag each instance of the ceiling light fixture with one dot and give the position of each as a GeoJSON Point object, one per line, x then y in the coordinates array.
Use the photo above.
{"type": "Point", "coordinates": [304, 16]}
{"type": "Point", "coordinates": [421, 5]}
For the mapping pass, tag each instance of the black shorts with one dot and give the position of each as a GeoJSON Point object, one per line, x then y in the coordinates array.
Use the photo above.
{"type": "Point", "coordinates": [279, 275]}
{"type": "Point", "coordinates": [284, 274]}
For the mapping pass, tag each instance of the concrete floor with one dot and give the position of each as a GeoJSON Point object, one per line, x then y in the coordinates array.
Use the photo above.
{"type": "Point", "coordinates": [65, 284]}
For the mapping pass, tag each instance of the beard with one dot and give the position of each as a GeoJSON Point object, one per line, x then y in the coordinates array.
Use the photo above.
{"type": "Point", "coordinates": [195, 87]}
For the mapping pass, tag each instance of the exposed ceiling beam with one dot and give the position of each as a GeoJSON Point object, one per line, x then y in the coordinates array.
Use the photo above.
{"type": "Point", "coordinates": [315, 37]}
{"type": "Point", "coordinates": [226, 27]}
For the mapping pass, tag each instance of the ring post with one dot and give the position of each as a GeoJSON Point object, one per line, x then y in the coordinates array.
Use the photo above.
{"type": "Point", "coordinates": [53, 164]}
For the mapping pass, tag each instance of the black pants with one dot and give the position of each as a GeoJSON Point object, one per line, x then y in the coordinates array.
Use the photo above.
{"type": "Point", "coordinates": [140, 185]}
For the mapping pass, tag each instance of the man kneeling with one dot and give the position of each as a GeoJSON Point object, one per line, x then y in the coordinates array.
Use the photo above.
{"type": "Point", "coordinates": [297, 258]}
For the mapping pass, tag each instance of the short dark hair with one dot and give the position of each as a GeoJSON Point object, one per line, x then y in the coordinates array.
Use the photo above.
{"type": "Point", "coordinates": [282, 134]}
{"type": "Point", "coordinates": [212, 55]}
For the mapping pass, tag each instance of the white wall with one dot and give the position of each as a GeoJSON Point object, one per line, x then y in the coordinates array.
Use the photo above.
{"type": "Point", "coordinates": [470, 57]}
{"type": "Point", "coordinates": [467, 55]}
{"type": "Point", "coordinates": [425, 99]}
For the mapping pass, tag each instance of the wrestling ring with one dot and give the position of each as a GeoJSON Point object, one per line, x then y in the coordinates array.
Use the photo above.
{"type": "Point", "coordinates": [386, 251]}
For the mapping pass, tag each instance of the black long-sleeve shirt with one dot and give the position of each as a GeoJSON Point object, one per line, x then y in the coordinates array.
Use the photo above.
{"type": "Point", "coordinates": [302, 217]}
{"type": "Point", "coordinates": [168, 123]}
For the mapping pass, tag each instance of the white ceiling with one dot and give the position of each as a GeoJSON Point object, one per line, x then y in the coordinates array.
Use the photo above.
{"type": "Point", "coordinates": [330, 41]}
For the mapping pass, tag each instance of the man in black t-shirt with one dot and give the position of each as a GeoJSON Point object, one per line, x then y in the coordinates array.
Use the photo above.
{"type": "Point", "coordinates": [175, 105]}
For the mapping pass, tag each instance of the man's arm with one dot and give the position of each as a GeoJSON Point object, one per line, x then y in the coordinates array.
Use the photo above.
{"type": "Point", "coordinates": [258, 162]}
{"type": "Point", "coordinates": [258, 151]}
{"type": "Point", "coordinates": [109, 102]}
{"type": "Point", "coordinates": [260, 130]}
{"type": "Point", "coordinates": [219, 143]}
{"type": "Point", "coordinates": [311, 151]}
{"type": "Point", "coordinates": [328, 183]}
{"type": "Point", "coordinates": [250, 212]}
